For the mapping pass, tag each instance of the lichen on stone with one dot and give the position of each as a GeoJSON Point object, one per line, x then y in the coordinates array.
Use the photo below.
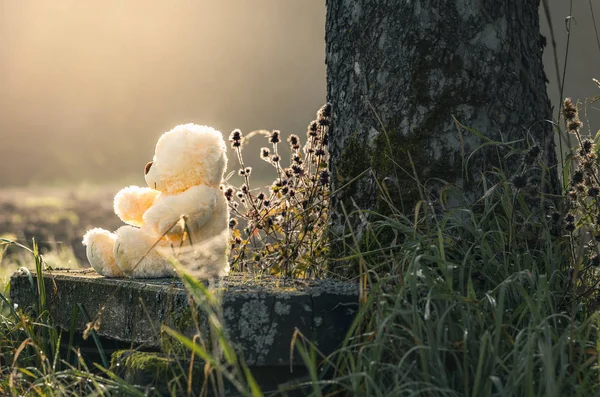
{"type": "Point", "coordinates": [257, 325]}
{"type": "Point", "coordinates": [282, 308]}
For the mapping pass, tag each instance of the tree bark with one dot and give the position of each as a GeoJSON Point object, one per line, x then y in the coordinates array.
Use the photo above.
{"type": "Point", "coordinates": [398, 71]}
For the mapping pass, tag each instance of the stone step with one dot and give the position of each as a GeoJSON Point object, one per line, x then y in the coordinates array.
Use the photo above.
{"type": "Point", "coordinates": [260, 313]}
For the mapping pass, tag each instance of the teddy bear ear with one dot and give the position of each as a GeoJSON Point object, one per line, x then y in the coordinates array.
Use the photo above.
{"type": "Point", "coordinates": [147, 168]}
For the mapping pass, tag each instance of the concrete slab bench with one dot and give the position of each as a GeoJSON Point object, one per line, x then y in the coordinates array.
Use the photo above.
{"type": "Point", "coordinates": [260, 313]}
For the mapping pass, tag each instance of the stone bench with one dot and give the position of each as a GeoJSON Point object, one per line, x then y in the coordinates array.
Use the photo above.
{"type": "Point", "coordinates": [260, 313]}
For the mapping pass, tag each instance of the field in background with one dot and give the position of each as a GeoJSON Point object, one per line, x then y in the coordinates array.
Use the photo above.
{"type": "Point", "coordinates": [57, 218]}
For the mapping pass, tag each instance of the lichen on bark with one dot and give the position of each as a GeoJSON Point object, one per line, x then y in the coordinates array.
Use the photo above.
{"type": "Point", "coordinates": [399, 74]}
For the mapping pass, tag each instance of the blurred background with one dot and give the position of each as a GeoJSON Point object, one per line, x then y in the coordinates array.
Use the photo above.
{"type": "Point", "coordinates": [86, 88]}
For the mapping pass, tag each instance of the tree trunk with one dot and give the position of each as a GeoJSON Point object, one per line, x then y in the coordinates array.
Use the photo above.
{"type": "Point", "coordinates": [398, 71]}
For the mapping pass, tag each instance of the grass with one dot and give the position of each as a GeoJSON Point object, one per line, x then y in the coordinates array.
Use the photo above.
{"type": "Point", "coordinates": [476, 301]}
{"type": "Point", "coordinates": [496, 297]}
{"type": "Point", "coordinates": [458, 314]}
{"type": "Point", "coordinates": [59, 256]}
{"type": "Point", "coordinates": [31, 360]}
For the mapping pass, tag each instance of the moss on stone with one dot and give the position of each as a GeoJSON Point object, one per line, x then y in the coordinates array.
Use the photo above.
{"type": "Point", "coordinates": [152, 362]}
{"type": "Point", "coordinates": [142, 361]}
{"type": "Point", "coordinates": [148, 368]}
{"type": "Point", "coordinates": [117, 357]}
{"type": "Point", "coordinates": [182, 318]}
{"type": "Point", "coordinates": [142, 367]}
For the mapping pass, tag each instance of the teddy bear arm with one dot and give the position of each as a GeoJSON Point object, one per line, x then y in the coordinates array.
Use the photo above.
{"type": "Point", "coordinates": [132, 202]}
{"type": "Point", "coordinates": [198, 202]}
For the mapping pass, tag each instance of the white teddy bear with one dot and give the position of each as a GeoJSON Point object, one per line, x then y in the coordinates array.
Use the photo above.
{"type": "Point", "coordinates": [183, 213]}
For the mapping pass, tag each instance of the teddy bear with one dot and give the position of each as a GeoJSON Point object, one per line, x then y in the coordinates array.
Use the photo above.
{"type": "Point", "coordinates": [182, 214]}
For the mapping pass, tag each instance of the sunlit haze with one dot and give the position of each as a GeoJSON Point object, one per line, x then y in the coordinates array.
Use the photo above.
{"type": "Point", "coordinates": [87, 87]}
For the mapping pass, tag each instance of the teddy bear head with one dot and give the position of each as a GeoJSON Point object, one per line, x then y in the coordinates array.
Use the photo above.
{"type": "Point", "coordinates": [186, 156]}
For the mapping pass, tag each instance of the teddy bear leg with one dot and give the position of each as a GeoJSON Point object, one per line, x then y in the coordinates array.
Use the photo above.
{"type": "Point", "coordinates": [138, 256]}
{"type": "Point", "coordinates": [99, 250]}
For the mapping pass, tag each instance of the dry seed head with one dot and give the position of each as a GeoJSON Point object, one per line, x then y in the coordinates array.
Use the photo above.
{"type": "Point", "coordinates": [275, 137]}
{"type": "Point", "coordinates": [587, 164]}
{"type": "Point", "coordinates": [577, 177]}
{"type": "Point", "coordinates": [534, 151]}
{"type": "Point", "coordinates": [294, 141]}
{"type": "Point", "coordinates": [569, 110]}
{"type": "Point", "coordinates": [574, 125]}
{"type": "Point", "coordinates": [572, 195]}
{"type": "Point", "coordinates": [569, 218]}
{"type": "Point", "coordinates": [236, 135]}
{"type": "Point", "coordinates": [325, 111]}
{"type": "Point", "coordinates": [324, 177]}
{"type": "Point", "coordinates": [555, 216]}
{"type": "Point", "coordinates": [520, 181]}
{"type": "Point", "coordinates": [312, 128]}
{"type": "Point", "coordinates": [265, 152]}
{"type": "Point", "coordinates": [324, 122]}
{"type": "Point", "coordinates": [532, 155]}
{"type": "Point", "coordinates": [296, 169]}
{"type": "Point", "coordinates": [235, 138]}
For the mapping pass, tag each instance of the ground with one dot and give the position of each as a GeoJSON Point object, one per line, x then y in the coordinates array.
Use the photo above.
{"type": "Point", "coordinates": [57, 218]}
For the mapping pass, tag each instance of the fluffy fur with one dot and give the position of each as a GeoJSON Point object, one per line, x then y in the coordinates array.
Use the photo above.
{"type": "Point", "coordinates": [182, 214]}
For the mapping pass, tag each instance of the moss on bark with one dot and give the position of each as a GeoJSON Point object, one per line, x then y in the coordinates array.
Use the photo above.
{"type": "Point", "coordinates": [398, 73]}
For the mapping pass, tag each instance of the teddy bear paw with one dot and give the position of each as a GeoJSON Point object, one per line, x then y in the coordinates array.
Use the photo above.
{"type": "Point", "coordinates": [99, 250]}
